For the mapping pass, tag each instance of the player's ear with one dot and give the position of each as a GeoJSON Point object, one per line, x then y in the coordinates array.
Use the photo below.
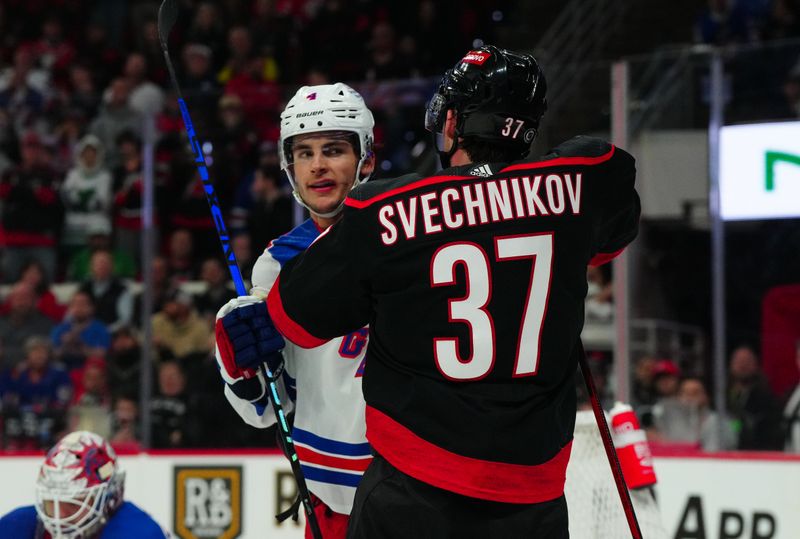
{"type": "Point", "coordinates": [368, 167]}
{"type": "Point", "coordinates": [450, 124]}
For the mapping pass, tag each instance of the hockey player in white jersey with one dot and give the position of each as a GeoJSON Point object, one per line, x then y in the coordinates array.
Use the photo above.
{"type": "Point", "coordinates": [326, 150]}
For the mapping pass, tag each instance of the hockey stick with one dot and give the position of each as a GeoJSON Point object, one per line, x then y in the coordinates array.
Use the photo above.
{"type": "Point", "coordinates": [608, 444]}
{"type": "Point", "coordinates": [167, 15]}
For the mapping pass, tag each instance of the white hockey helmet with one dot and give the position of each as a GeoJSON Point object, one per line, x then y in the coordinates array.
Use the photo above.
{"type": "Point", "coordinates": [327, 107]}
{"type": "Point", "coordinates": [79, 486]}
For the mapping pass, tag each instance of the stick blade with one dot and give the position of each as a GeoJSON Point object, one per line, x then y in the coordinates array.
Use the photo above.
{"type": "Point", "coordinates": [167, 15]}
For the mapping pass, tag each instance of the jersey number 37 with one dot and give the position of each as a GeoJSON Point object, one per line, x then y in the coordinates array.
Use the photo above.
{"type": "Point", "coordinates": [471, 309]}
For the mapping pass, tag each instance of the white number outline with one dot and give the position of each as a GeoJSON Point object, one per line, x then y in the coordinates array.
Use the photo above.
{"type": "Point", "coordinates": [445, 349]}
{"type": "Point", "coordinates": [539, 248]}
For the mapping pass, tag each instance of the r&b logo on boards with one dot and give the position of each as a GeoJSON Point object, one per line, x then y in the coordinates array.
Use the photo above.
{"type": "Point", "coordinates": [208, 502]}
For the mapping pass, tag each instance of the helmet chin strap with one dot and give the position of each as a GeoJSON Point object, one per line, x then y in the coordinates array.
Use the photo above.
{"type": "Point", "coordinates": [446, 156]}
{"type": "Point", "coordinates": [326, 215]}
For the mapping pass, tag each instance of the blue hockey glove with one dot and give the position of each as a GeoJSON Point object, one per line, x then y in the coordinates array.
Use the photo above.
{"type": "Point", "coordinates": [246, 338]}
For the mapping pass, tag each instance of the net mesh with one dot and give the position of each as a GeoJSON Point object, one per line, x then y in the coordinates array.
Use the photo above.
{"type": "Point", "coordinates": [595, 510]}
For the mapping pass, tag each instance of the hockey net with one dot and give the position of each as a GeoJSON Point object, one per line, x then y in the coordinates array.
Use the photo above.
{"type": "Point", "coordinates": [595, 510]}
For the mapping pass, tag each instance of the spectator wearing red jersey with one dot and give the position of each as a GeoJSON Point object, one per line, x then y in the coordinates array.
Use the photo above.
{"type": "Point", "coordinates": [32, 212]}
{"type": "Point", "coordinates": [128, 194]}
{"type": "Point", "coordinates": [46, 302]}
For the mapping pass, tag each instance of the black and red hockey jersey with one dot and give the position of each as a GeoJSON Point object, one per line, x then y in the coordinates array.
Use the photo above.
{"type": "Point", "coordinates": [472, 282]}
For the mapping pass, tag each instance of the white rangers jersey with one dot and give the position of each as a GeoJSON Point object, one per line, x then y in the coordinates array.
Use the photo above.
{"type": "Point", "coordinates": [329, 429]}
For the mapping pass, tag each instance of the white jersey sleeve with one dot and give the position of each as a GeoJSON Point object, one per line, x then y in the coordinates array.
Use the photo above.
{"type": "Point", "coordinates": [329, 429]}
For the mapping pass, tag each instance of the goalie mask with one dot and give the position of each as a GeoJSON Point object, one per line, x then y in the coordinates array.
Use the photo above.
{"type": "Point", "coordinates": [79, 486]}
{"type": "Point", "coordinates": [497, 95]}
{"type": "Point", "coordinates": [326, 108]}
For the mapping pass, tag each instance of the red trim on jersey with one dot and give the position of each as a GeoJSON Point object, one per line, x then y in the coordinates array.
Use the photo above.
{"type": "Point", "coordinates": [603, 258]}
{"type": "Point", "coordinates": [433, 180]}
{"type": "Point", "coordinates": [561, 161]}
{"type": "Point", "coordinates": [484, 479]}
{"type": "Point", "coordinates": [309, 456]}
{"type": "Point", "coordinates": [288, 327]}
{"type": "Point", "coordinates": [21, 238]}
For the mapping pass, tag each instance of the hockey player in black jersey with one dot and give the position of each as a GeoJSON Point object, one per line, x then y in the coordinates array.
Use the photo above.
{"type": "Point", "coordinates": [472, 282]}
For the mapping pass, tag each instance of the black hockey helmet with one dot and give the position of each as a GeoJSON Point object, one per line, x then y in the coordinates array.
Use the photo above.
{"type": "Point", "coordinates": [498, 96]}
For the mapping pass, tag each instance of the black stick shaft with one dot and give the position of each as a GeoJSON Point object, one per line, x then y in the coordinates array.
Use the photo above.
{"type": "Point", "coordinates": [611, 453]}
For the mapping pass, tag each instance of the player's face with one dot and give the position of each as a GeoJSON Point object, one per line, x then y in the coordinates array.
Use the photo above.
{"type": "Point", "coordinates": [68, 511]}
{"type": "Point", "coordinates": [324, 168]}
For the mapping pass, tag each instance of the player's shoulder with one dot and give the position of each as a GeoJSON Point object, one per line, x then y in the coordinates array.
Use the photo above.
{"type": "Point", "coordinates": [280, 251]}
{"type": "Point", "coordinates": [293, 242]}
{"type": "Point", "coordinates": [19, 523]}
{"type": "Point", "coordinates": [582, 146]}
{"type": "Point", "coordinates": [371, 190]}
{"type": "Point", "coordinates": [131, 522]}
{"type": "Point", "coordinates": [580, 150]}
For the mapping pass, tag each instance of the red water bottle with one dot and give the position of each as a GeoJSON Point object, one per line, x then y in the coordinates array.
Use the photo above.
{"type": "Point", "coordinates": [631, 444]}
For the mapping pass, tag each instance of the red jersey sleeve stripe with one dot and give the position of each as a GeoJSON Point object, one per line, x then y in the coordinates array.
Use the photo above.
{"type": "Point", "coordinates": [309, 456]}
{"type": "Point", "coordinates": [487, 480]}
{"type": "Point", "coordinates": [562, 161]}
{"type": "Point", "coordinates": [433, 180]}
{"type": "Point", "coordinates": [288, 327]}
{"type": "Point", "coordinates": [603, 258]}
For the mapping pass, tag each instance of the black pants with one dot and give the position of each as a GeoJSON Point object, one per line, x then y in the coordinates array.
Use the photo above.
{"type": "Point", "coordinates": [390, 504]}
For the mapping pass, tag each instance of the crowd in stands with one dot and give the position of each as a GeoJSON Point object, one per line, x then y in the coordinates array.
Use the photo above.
{"type": "Point", "coordinates": [77, 81]}
{"type": "Point", "coordinates": [765, 84]}
{"type": "Point", "coordinates": [78, 78]}
{"type": "Point", "coordinates": [677, 410]}
{"type": "Point", "coordinates": [725, 22]}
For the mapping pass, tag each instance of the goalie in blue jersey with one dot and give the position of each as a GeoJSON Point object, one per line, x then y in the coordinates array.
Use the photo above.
{"type": "Point", "coordinates": [79, 495]}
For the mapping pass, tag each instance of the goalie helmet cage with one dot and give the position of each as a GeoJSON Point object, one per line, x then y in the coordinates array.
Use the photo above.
{"type": "Point", "coordinates": [595, 510]}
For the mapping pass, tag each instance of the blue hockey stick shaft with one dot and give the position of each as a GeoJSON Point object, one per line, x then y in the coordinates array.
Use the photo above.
{"type": "Point", "coordinates": [167, 14]}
